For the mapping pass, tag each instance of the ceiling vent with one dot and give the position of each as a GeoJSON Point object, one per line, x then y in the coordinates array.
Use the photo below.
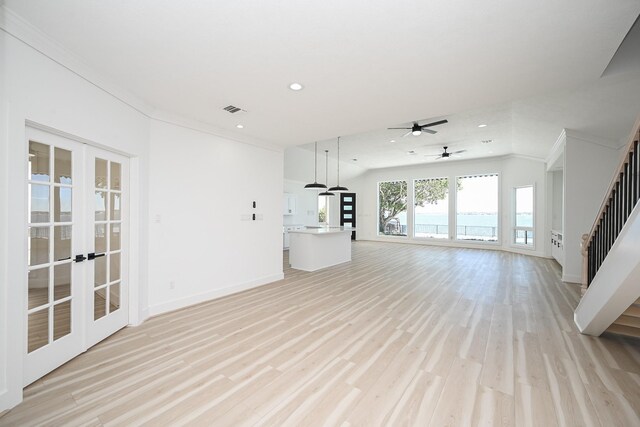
{"type": "Point", "coordinates": [232, 109]}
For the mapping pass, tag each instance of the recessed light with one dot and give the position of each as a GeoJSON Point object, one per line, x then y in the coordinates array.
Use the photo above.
{"type": "Point", "coordinates": [296, 86]}
{"type": "Point", "coordinates": [240, 126]}
{"type": "Point", "coordinates": [393, 140]}
{"type": "Point", "coordinates": [482, 126]}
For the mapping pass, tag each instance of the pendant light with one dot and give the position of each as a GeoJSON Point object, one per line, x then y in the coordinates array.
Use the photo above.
{"type": "Point", "coordinates": [338, 188]}
{"type": "Point", "coordinates": [326, 174]}
{"type": "Point", "coordinates": [315, 185]}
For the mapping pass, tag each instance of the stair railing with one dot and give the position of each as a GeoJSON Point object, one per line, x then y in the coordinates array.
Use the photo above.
{"type": "Point", "coordinates": [621, 199]}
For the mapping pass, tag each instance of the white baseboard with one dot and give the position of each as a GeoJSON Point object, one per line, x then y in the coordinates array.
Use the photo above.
{"type": "Point", "coordinates": [8, 400]}
{"type": "Point", "coordinates": [210, 295]}
{"type": "Point", "coordinates": [571, 278]}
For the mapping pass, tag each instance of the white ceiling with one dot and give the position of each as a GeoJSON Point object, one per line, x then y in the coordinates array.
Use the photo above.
{"type": "Point", "coordinates": [605, 109]}
{"type": "Point", "coordinates": [365, 64]}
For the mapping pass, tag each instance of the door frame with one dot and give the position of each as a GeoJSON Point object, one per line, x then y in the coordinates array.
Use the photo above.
{"type": "Point", "coordinates": [14, 354]}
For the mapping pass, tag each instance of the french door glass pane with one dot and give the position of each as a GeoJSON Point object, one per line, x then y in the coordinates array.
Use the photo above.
{"type": "Point", "coordinates": [100, 238]}
{"type": "Point", "coordinates": [62, 204]}
{"type": "Point", "coordinates": [61, 319]}
{"type": "Point", "coordinates": [114, 297]}
{"type": "Point", "coordinates": [38, 161]}
{"type": "Point", "coordinates": [38, 287]}
{"type": "Point", "coordinates": [100, 271]}
{"type": "Point", "coordinates": [101, 206]}
{"type": "Point", "coordinates": [39, 203]}
{"type": "Point", "coordinates": [115, 176]}
{"type": "Point", "coordinates": [101, 173]}
{"type": "Point", "coordinates": [38, 329]}
{"type": "Point", "coordinates": [38, 245]}
{"type": "Point", "coordinates": [115, 207]}
{"type": "Point", "coordinates": [524, 206]}
{"type": "Point", "coordinates": [62, 242]}
{"type": "Point", "coordinates": [115, 237]}
{"type": "Point", "coordinates": [62, 281]}
{"type": "Point", "coordinates": [99, 303]}
{"type": "Point", "coordinates": [114, 267]}
{"type": "Point", "coordinates": [62, 166]}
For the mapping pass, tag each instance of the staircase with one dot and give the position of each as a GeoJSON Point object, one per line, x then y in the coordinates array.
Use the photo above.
{"type": "Point", "coordinates": [629, 322]}
{"type": "Point", "coordinates": [611, 254]}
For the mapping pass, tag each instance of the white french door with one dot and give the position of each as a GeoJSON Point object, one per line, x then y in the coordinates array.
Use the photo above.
{"type": "Point", "coordinates": [77, 254]}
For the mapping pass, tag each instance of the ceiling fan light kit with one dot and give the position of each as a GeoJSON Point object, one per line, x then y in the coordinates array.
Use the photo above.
{"type": "Point", "coordinates": [338, 188]}
{"type": "Point", "coordinates": [417, 129]}
{"type": "Point", "coordinates": [315, 185]}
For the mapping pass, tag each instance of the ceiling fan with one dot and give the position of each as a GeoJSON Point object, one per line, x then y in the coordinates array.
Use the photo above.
{"type": "Point", "coordinates": [446, 154]}
{"type": "Point", "coordinates": [417, 129]}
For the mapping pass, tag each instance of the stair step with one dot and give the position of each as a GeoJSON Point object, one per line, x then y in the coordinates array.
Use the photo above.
{"type": "Point", "coordinates": [633, 310]}
{"type": "Point", "coordinates": [634, 322]}
{"type": "Point", "coordinates": [624, 330]}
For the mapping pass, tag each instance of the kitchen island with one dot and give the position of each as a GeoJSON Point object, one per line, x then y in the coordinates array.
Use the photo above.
{"type": "Point", "coordinates": [313, 248]}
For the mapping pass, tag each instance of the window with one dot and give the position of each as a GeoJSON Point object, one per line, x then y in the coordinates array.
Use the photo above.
{"type": "Point", "coordinates": [323, 209]}
{"type": "Point", "coordinates": [523, 216]}
{"type": "Point", "coordinates": [431, 213]}
{"type": "Point", "coordinates": [477, 208]}
{"type": "Point", "coordinates": [392, 208]}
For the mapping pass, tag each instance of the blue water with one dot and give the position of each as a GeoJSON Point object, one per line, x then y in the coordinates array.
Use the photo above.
{"type": "Point", "coordinates": [490, 220]}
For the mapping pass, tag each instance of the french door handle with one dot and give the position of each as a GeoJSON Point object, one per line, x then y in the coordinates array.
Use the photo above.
{"type": "Point", "coordinates": [80, 258]}
{"type": "Point", "coordinates": [94, 256]}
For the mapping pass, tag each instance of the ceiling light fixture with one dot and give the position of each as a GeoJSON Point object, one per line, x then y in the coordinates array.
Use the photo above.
{"type": "Point", "coordinates": [338, 188]}
{"type": "Point", "coordinates": [296, 86]}
{"type": "Point", "coordinates": [315, 185]}
{"type": "Point", "coordinates": [482, 126]}
{"type": "Point", "coordinates": [393, 140]}
{"type": "Point", "coordinates": [240, 126]}
{"type": "Point", "coordinates": [326, 174]}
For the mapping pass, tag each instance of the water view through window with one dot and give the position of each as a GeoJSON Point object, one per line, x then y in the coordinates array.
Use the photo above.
{"type": "Point", "coordinates": [477, 208]}
{"type": "Point", "coordinates": [431, 212]}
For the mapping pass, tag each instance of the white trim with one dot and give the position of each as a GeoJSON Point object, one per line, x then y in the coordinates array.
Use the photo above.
{"type": "Point", "coordinates": [603, 142]}
{"type": "Point", "coordinates": [211, 295]}
{"type": "Point", "coordinates": [571, 278]}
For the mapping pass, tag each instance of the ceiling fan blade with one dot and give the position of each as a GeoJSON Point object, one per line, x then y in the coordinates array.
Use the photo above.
{"type": "Point", "coordinates": [438, 157]}
{"type": "Point", "coordinates": [430, 131]}
{"type": "Point", "coordinates": [459, 151]}
{"type": "Point", "coordinates": [398, 128]}
{"type": "Point", "coordinates": [439, 122]}
{"type": "Point", "coordinates": [407, 134]}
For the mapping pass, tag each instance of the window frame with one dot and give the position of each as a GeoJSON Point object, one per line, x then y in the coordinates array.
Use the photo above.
{"type": "Point", "coordinates": [407, 210]}
{"type": "Point", "coordinates": [514, 227]}
{"type": "Point", "coordinates": [413, 204]}
{"type": "Point", "coordinates": [454, 214]}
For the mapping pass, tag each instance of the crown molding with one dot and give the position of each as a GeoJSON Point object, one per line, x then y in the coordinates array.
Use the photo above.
{"type": "Point", "coordinates": [17, 27]}
{"type": "Point", "coordinates": [603, 142]}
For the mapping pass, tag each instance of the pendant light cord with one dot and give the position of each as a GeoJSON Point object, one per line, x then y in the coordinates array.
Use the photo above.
{"type": "Point", "coordinates": [338, 161]}
{"type": "Point", "coordinates": [315, 172]}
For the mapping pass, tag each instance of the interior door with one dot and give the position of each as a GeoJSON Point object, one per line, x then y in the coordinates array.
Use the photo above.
{"type": "Point", "coordinates": [107, 242]}
{"type": "Point", "coordinates": [54, 298]}
{"type": "Point", "coordinates": [77, 250]}
{"type": "Point", "coordinates": [348, 211]}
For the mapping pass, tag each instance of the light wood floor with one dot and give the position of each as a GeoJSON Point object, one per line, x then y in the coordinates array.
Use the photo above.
{"type": "Point", "coordinates": [403, 335]}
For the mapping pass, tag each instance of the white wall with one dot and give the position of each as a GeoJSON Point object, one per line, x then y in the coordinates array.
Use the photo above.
{"type": "Point", "coordinates": [306, 204]}
{"type": "Point", "coordinates": [589, 165]}
{"type": "Point", "coordinates": [202, 184]}
{"type": "Point", "coordinates": [200, 188]}
{"type": "Point", "coordinates": [514, 172]}
{"type": "Point", "coordinates": [42, 91]}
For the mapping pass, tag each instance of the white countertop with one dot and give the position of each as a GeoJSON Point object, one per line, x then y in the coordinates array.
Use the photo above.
{"type": "Point", "coordinates": [323, 230]}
